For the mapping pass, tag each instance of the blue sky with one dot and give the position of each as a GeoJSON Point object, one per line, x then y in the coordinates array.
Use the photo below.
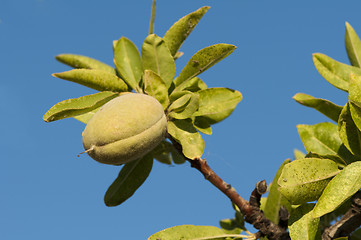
{"type": "Point", "coordinates": [47, 192]}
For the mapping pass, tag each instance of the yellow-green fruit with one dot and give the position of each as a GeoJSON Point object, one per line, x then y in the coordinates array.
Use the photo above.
{"type": "Point", "coordinates": [124, 129]}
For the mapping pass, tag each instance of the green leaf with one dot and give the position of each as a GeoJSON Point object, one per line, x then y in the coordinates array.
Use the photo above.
{"type": "Point", "coordinates": [193, 85]}
{"type": "Point", "coordinates": [354, 99]}
{"type": "Point", "coordinates": [343, 238]}
{"type": "Point", "coordinates": [356, 235]}
{"type": "Point", "coordinates": [349, 133]}
{"type": "Point", "coordinates": [336, 158]}
{"type": "Point", "coordinates": [202, 125]}
{"type": "Point", "coordinates": [302, 226]}
{"type": "Point", "coordinates": [180, 30]}
{"type": "Point", "coordinates": [275, 200]}
{"type": "Point", "coordinates": [189, 232]}
{"type": "Point", "coordinates": [162, 153]}
{"type": "Point", "coordinates": [130, 178]}
{"type": "Point", "coordinates": [84, 118]}
{"type": "Point", "coordinates": [333, 71]}
{"type": "Point", "coordinates": [156, 57]}
{"type": "Point", "coordinates": [325, 107]}
{"type": "Point", "coordinates": [303, 180]}
{"type": "Point", "coordinates": [230, 226]}
{"type": "Point", "coordinates": [77, 106]}
{"type": "Point", "coordinates": [298, 154]}
{"type": "Point", "coordinates": [202, 60]}
{"type": "Point", "coordinates": [353, 46]}
{"type": "Point", "coordinates": [155, 87]}
{"type": "Point", "coordinates": [185, 134]}
{"type": "Point", "coordinates": [339, 189]}
{"type": "Point", "coordinates": [180, 102]}
{"type": "Point", "coordinates": [216, 104]}
{"type": "Point", "coordinates": [186, 110]}
{"type": "Point", "coordinates": [95, 79]}
{"type": "Point", "coordinates": [79, 61]}
{"type": "Point", "coordinates": [152, 18]}
{"type": "Point", "coordinates": [323, 138]}
{"type": "Point", "coordinates": [128, 62]}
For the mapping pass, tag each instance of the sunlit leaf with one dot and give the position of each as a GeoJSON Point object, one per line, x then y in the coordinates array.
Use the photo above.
{"type": "Point", "coordinates": [95, 79]}
{"type": "Point", "coordinates": [230, 226]}
{"type": "Point", "coordinates": [333, 71]}
{"type": "Point", "coordinates": [130, 178]}
{"type": "Point", "coordinates": [187, 110]}
{"type": "Point", "coordinates": [336, 158]}
{"type": "Point", "coordinates": [193, 85]}
{"type": "Point", "coordinates": [323, 138]}
{"type": "Point", "coordinates": [353, 46]}
{"type": "Point", "coordinates": [128, 62]}
{"type": "Point", "coordinates": [77, 106]}
{"type": "Point", "coordinates": [79, 61]}
{"type": "Point", "coordinates": [180, 30]}
{"type": "Point", "coordinates": [84, 118]}
{"type": "Point", "coordinates": [189, 232]}
{"type": "Point", "coordinates": [216, 104]}
{"type": "Point", "coordinates": [152, 18]}
{"type": "Point", "coordinates": [202, 60]}
{"type": "Point", "coordinates": [156, 57]}
{"type": "Point", "coordinates": [298, 154]}
{"type": "Point", "coordinates": [349, 133]}
{"type": "Point", "coordinates": [184, 133]}
{"type": "Point", "coordinates": [354, 99]}
{"type": "Point", "coordinates": [302, 226]}
{"type": "Point", "coordinates": [303, 180]}
{"type": "Point", "coordinates": [181, 102]}
{"type": "Point", "coordinates": [275, 199]}
{"type": "Point", "coordinates": [202, 125]}
{"type": "Point", "coordinates": [155, 87]}
{"type": "Point", "coordinates": [339, 189]}
{"type": "Point", "coordinates": [329, 109]}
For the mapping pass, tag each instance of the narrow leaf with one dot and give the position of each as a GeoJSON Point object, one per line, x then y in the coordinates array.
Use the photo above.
{"type": "Point", "coordinates": [354, 99]}
{"type": "Point", "coordinates": [95, 79]}
{"type": "Point", "coordinates": [216, 104]}
{"type": "Point", "coordinates": [202, 60]}
{"type": "Point", "coordinates": [193, 85]}
{"type": "Point", "coordinates": [339, 189]}
{"type": "Point", "coordinates": [298, 154]}
{"type": "Point", "coordinates": [349, 133]}
{"type": "Point", "coordinates": [187, 110]}
{"type": "Point", "coordinates": [189, 232]}
{"type": "Point", "coordinates": [130, 178]}
{"type": "Point", "coordinates": [84, 118]}
{"type": "Point", "coordinates": [323, 138]}
{"type": "Point", "coordinates": [157, 57]}
{"type": "Point", "coordinates": [303, 180]}
{"type": "Point", "coordinates": [152, 18]}
{"type": "Point", "coordinates": [275, 199]}
{"type": "Point", "coordinates": [155, 87]}
{"type": "Point", "coordinates": [333, 71]}
{"type": "Point", "coordinates": [79, 61]}
{"type": "Point", "coordinates": [184, 133]}
{"type": "Point", "coordinates": [302, 225]}
{"type": "Point", "coordinates": [353, 46]}
{"type": "Point", "coordinates": [202, 125]}
{"type": "Point", "coordinates": [180, 103]}
{"type": "Point", "coordinates": [76, 106]}
{"type": "Point", "coordinates": [325, 107]}
{"type": "Point", "coordinates": [180, 30]}
{"type": "Point", "coordinates": [128, 62]}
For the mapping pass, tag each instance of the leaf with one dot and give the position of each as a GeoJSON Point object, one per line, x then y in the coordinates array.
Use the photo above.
{"type": "Point", "coordinates": [187, 110]}
{"type": "Point", "coordinates": [185, 134]}
{"type": "Point", "coordinates": [230, 226]}
{"type": "Point", "coordinates": [302, 226]}
{"type": "Point", "coordinates": [216, 104]}
{"type": "Point", "coordinates": [202, 60]}
{"type": "Point", "coordinates": [193, 85]}
{"type": "Point", "coordinates": [95, 79]}
{"type": "Point", "coordinates": [79, 61]}
{"type": "Point", "coordinates": [275, 200]}
{"type": "Point", "coordinates": [152, 18]}
{"type": "Point", "coordinates": [84, 118]}
{"type": "Point", "coordinates": [349, 133]}
{"type": "Point", "coordinates": [189, 232]}
{"type": "Point", "coordinates": [130, 178]}
{"type": "Point", "coordinates": [339, 189]}
{"type": "Point", "coordinates": [155, 87]}
{"type": "Point", "coordinates": [353, 46]}
{"type": "Point", "coordinates": [356, 235]}
{"type": "Point", "coordinates": [303, 180]}
{"type": "Point", "coordinates": [333, 71]}
{"type": "Point", "coordinates": [354, 99]}
{"type": "Point", "coordinates": [181, 102]}
{"type": "Point", "coordinates": [128, 62]}
{"type": "Point", "coordinates": [325, 107]}
{"type": "Point", "coordinates": [77, 106]}
{"type": "Point", "coordinates": [336, 158]}
{"type": "Point", "coordinates": [156, 57]}
{"type": "Point", "coordinates": [323, 138]}
{"type": "Point", "coordinates": [202, 125]}
{"type": "Point", "coordinates": [180, 30]}
{"type": "Point", "coordinates": [298, 154]}
{"type": "Point", "coordinates": [162, 153]}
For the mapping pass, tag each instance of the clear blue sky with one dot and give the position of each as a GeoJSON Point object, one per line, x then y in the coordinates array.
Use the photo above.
{"type": "Point", "coordinates": [47, 192]}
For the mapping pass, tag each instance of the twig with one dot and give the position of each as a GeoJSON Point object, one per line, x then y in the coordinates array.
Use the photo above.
{"type": "Point", "coordinates": [348, 223]}
{"type": "Point", "coordinates": [252, 213]}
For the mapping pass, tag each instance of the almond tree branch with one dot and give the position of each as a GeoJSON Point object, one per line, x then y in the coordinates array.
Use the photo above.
{"type": "Point", "coordinates": [251, 211]}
